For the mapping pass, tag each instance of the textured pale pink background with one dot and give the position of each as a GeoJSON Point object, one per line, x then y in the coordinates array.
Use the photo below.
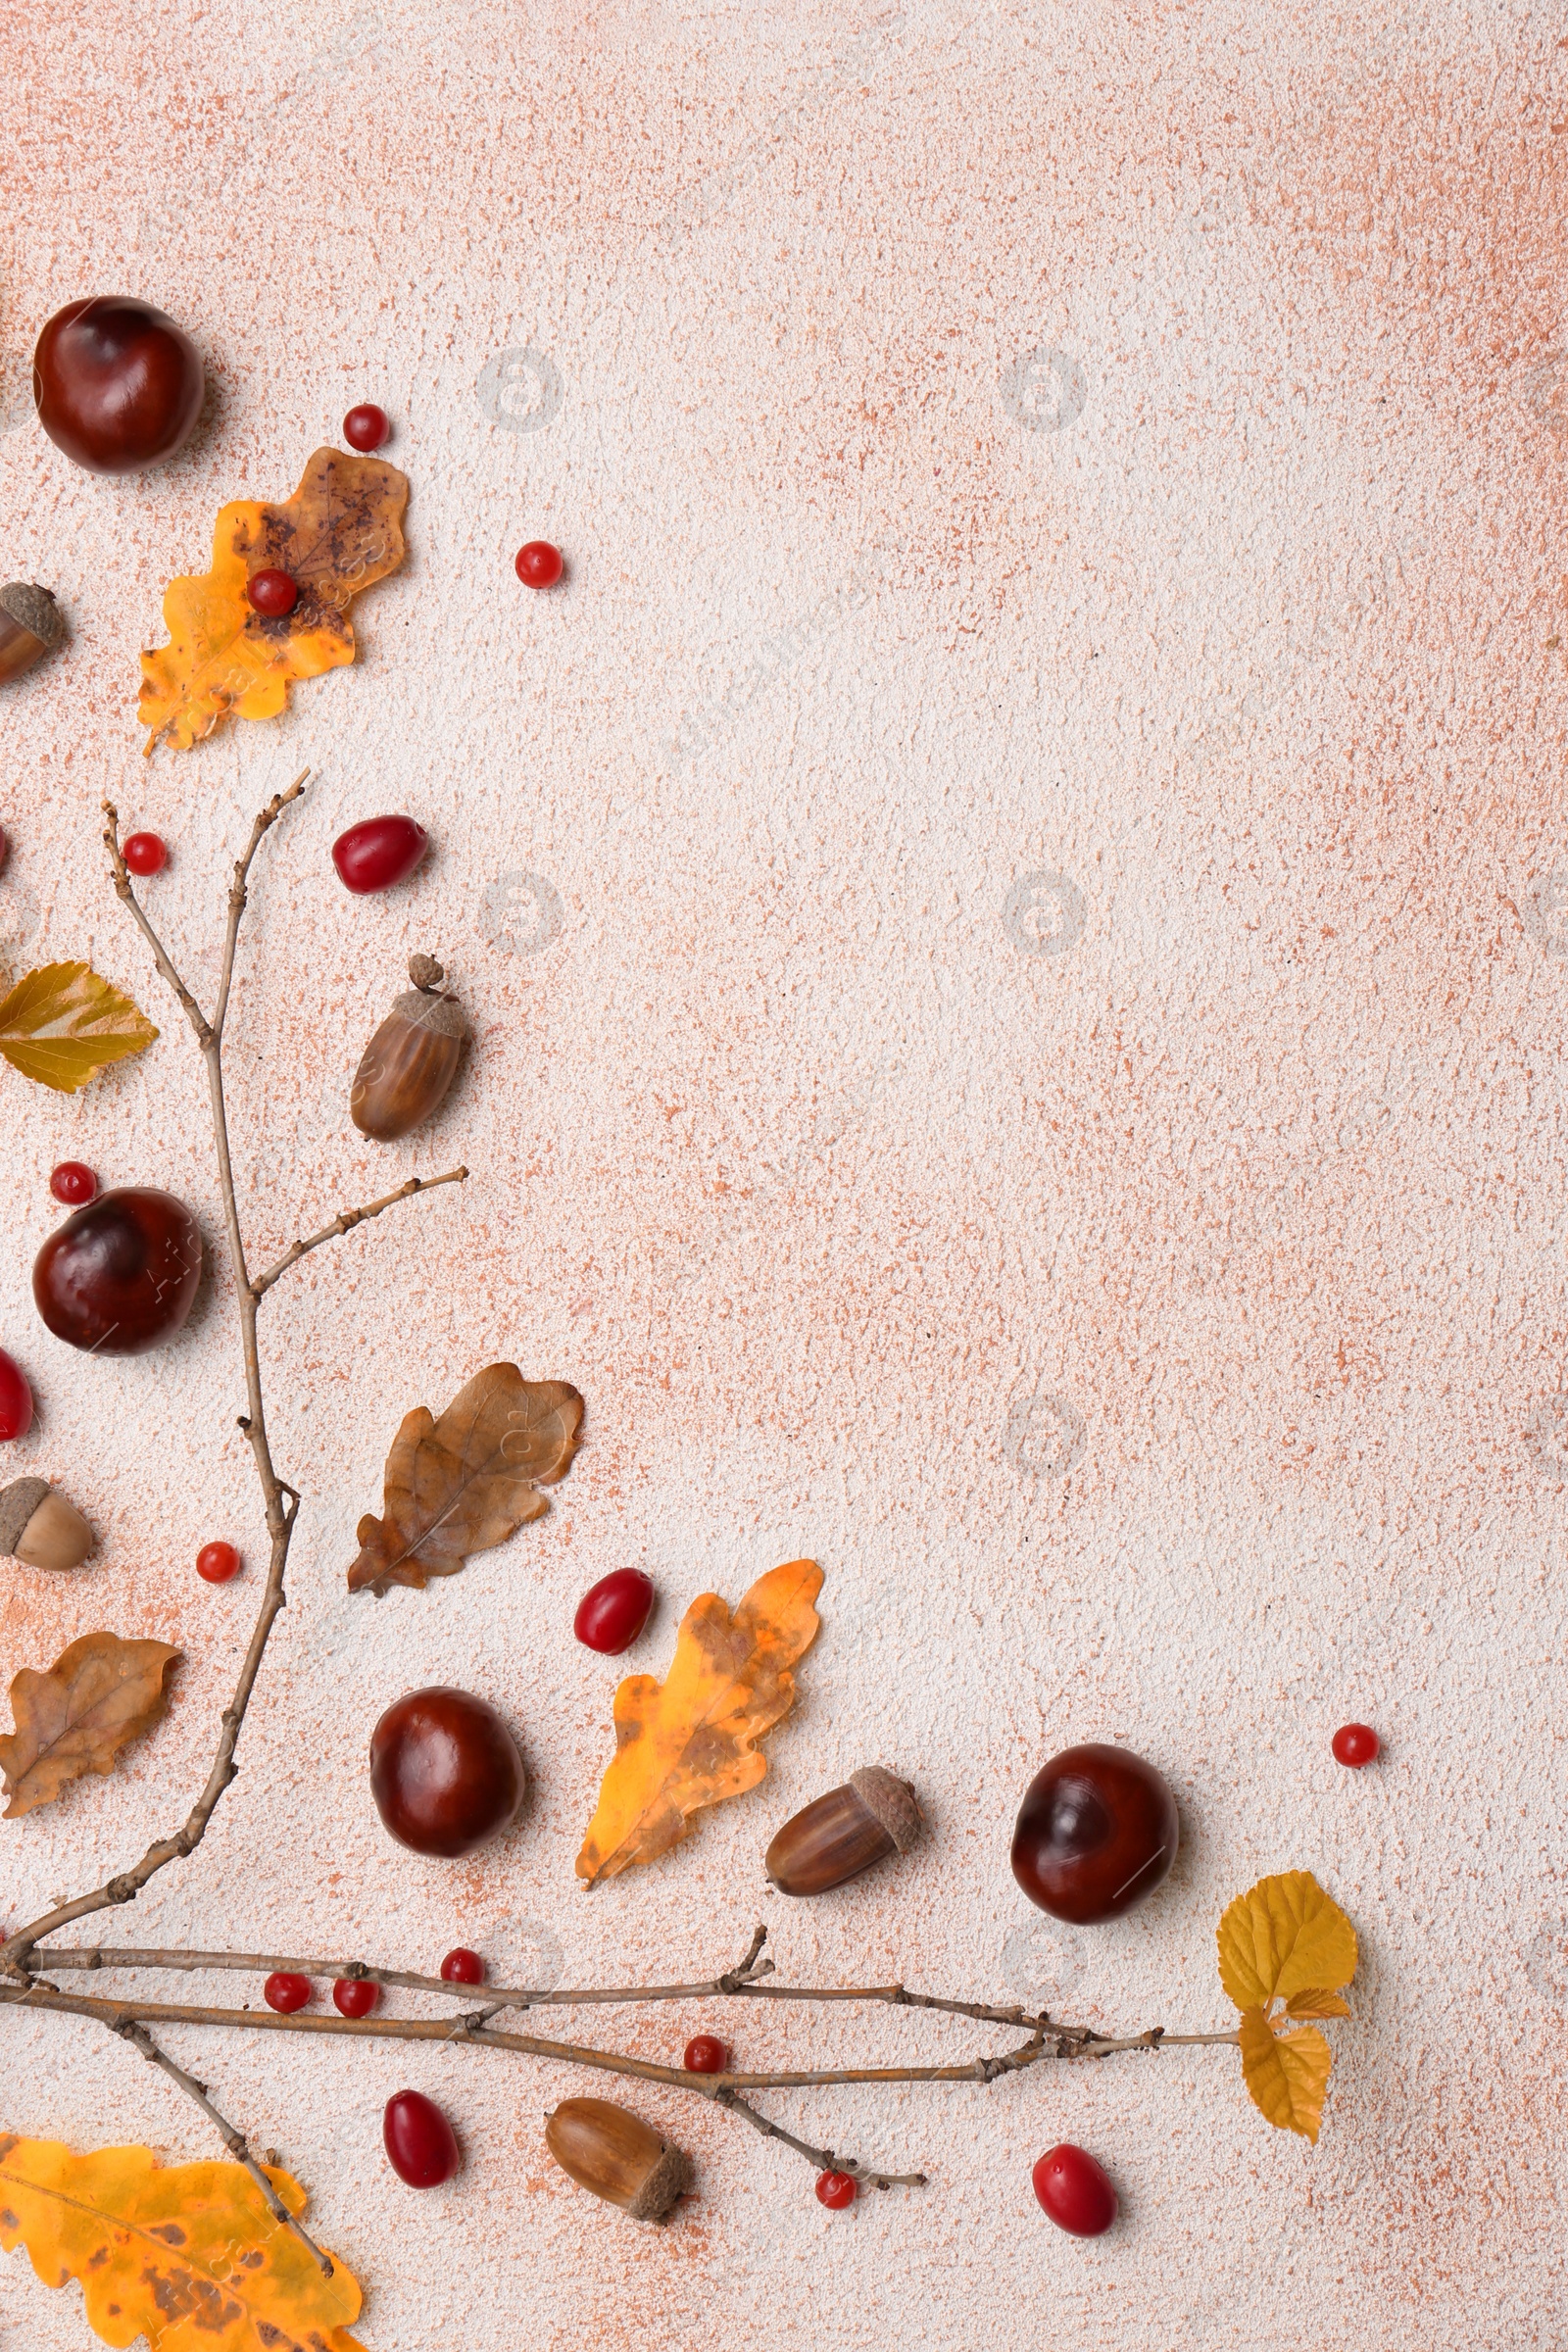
{"type": "Point", "coordinates": [789, 1155]}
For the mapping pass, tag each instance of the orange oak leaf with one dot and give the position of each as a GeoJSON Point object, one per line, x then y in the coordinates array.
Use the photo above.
{"type": "Point", "coordinates": [187, 2255]}
{"type": "Point", "coordinates": [469, 1481]}
{"type": "Point", "coordinates": [97, 1696]}
{"type": "Point", "coordinates": [690, 1741]}
{"type": "Point", "coordinates": [341, 531]}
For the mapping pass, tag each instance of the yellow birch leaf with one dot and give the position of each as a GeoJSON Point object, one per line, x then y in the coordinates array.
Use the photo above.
{"type": "Point", "coordinates": [60, 1025]}
{"type": "Point", "coordinates": [1315, 2002]}
{"type": "Point", "coordinates": [1286, 2074]}
{"type": "Point", "coordinates": [1283, 1936]}
{"type": "Point", "coordinates": [341, 531]}
{"type": "Point", "coordinates": [187, 2255]}
{"type": "Point", "coordinates": [690, 1741]}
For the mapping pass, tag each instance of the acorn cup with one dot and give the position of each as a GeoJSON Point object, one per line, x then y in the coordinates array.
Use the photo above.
{"type": "Point", "coordinates": [616, 2156]}
{"type": "Point", "coordinates": [30, 625]}
{"type": "Point", "coordinates": [836, 1837]}
{"type": "Point", "coordinates": [41, 1528]}
{"type": "Point", "coordinates": [407, 1067]}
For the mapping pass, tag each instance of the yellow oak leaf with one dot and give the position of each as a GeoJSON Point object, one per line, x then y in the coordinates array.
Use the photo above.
{"type": "Point", "coordinates": [1286, 2074]}
{"type": "Point", "coordinates": [187, 2255]}
{"type": "Point", "coordinates": [1315, 2002]}
{"type": "Point", "coordinates": [690, 1741]}
{"type": "Point", "coordinates": [60, 1025]}
{"type": "Point", "coordinates": [99, 1695]}
{"type": "Point", "coordinates": [1283, 1936]}
{"type": "Point", "coordinates": [341, 531]}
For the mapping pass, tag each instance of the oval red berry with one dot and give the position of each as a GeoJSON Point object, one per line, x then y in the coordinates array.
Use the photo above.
{"type": "Point", "coordinates": [355, 1996]}
{"type": "Point", "coordinates": [377, 852]}
{"type": "Point", "coordinates": [835, 2190]}
{"type": "Point", "coordinates": [1075, 2191]}
{"type": "Point", "coordinates": [706, 2054]}
{"type": "Point", "coordinates": [1355, 1744]}
{"type": "Point", "coordinates": [462, 1967]}
{"type": "Point", "coordinates": [273, 594]}
{"type": "Point", "coordinates": [539, 565]}
{"type": "Point", "coordinates": [144, 853]}
{"type": "Point", "coordinates": [365, 427]}
{"type": "Point", "coordinates": [16, 1398]}
{"type": "Point", "coordinates": [422, 2146]}
{"type": "Point", "coordinates": [74, 1184]}
{"type": "Point", "coordinates": [286, 1991]}
{"type": "Point", "coordinates": [215, 1564]}
{"type": "Point", "coordinates": [611, 1616]}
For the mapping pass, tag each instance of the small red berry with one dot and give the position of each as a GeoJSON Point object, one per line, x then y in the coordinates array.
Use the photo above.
{"type": "Point", "coordinates": [835, 2190]}
{"type": "Point", "coordinates": [378, 851]}
{"type": "Point", "coordinates": [421, 2146]}
{"type": "Point", "coordinates": [74, 1184]}
{"type": "Point", "coordinates": [706, 2054]}
{"type": "Point", "coordinates": [285, 1992]}
{"type": "Point", "coordinates": [539, 565]}
{"type": "Point", "coordinates": [1355, 1744]}
{"type": "Point", "coordinates": [144, 853]}
{"type": "Point", "coordinates": [1075, 2191]}
{"type": "Point", "coordinates": [273, 594]}
{"type": "Point", "coordinates": [613, 1613]}
{"type": "Point", "coordinates": [355, 1996]}
{"type": "Point", "coordinates": [365, 427]}
{"type": "Point", "coordinates": [16, 1400]}
{"type": "Point", "coordinates": [215, 1564]}
{"type": "Point", "coordinates": [462, 1967]}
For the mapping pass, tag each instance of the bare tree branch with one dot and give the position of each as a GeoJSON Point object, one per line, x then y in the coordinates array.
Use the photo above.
{"type": "Point", "coordinates": [346, 1220]}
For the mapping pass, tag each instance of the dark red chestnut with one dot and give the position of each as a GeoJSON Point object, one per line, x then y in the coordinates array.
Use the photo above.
{"type": "Point", "coordinates": [118, 385]}
{"type": "Point", "coordinates": [119, 1275]}
{"type": "Point", "coordinates": [1096, 1832]}
{"type": "Point", "coordinates": [445, 1772]}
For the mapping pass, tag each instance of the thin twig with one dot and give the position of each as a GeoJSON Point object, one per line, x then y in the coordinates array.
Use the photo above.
{"type": "Point", "coordinates": [231, 2136]}
{"type": "Point", "coordinates": [346, 1220]}
{"type": "Point", "coordinates": [824, 2159]}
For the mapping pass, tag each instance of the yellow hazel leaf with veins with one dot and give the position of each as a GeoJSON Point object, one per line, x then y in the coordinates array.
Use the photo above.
{"type": "Point", "coordinates": [690, 1741]}
{"type": "Point", "coordinates": [1283, 1936]}
{"type": "Point", "coordinates": [187, 2255]}
{"type": "Point", "coordinates": [62, 1024]}
{"type": "Point", "coordinates": [341, 531]}
{"type": "Point", "coordinates": [1286, 2074]}
{"type": "Point", "coordinates": [1317, 2003]}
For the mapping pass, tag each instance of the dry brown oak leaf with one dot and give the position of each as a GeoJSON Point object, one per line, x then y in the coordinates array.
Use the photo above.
{"type": "Point", "coordinates": [469, 1481]}
{"type": "Point", "coordinates": [97, 1696]}
{"type": "Point", "coordinates": [341, 531]}
{"type": "Point", "coordinates": [691, 1741]}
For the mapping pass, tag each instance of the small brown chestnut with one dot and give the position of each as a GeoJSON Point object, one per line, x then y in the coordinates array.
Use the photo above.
{"type": "Point", "coordinates": [445, 1772]}
{"type": "Point", "coordinates": [30, 626]}
{"type": "Point", "coordinates": [406, 1069]}
{"type": "Point", "coordinates": [836, 1837]}
{"type": "Point", "coordinates": [118, 385]}
{"type": "Point", "coordinates": [1096, 1832]}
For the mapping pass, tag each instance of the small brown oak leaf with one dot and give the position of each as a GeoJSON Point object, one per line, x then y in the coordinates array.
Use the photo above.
{"type": "Point", "coordinates": [98, 1695]}
{"type": "Point", "coordinates": [459, 1485]}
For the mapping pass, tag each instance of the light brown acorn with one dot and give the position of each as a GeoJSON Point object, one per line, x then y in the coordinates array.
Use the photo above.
{"type": "Point", "coordinates": [408, 1065]}
{"type": "Point", "coordinates": [41, 1527]}
{"type": "Point", "coordinates": [836, 1837]}
{"type": "Point", "coordinates": [613, 2152]}
{"type": "Point", "coordinates": [30, 625]}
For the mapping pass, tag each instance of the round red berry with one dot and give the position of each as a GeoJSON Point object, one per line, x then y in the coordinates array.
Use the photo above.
{"type": "Point", "coordinates": [1355, 1744]}
{"type": "Point", "coordinates": [422, 2146]}
{"type": "Point", "coordinates": [144, 853]}
{"type": "Point", "coordinates": [16, 1400]}
{"type": "Point", "coordinates": [355, 1996]}
{"type": "Point", "coordinates": [462, 1967]}
{"type": "Point", "coordinates": [611, 1616]}
{"type": "Point", "coordinates": [378, 851]}
{"type": "Point", "coordinates": [835, 2190]}
{"type": "Point", "coordinates": [1075, 2191]}
{"type": "Point", "coordinates": [285, 1992]}
{"type": "Point", "coordinates": [74, 1184]}
{"type": "Point", "coordinates": [273, 594]}
{"type": "Point", "coordinates": [365, 427]}
{"type": "Point", "coordinates": [215, 1564]}
{"type": "Point", "coordinates": [539, 565]}
{"type": "Point", "coordinates": [706, 2054]}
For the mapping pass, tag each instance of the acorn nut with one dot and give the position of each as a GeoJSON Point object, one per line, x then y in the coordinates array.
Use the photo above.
{"type": "Point", "coordinates": [32, 626]}
{"type": "Point", "coordinates": [613, 2152]}
{"type": "Point", "coordinates": [411, 1062]}
{"type": "Point", "coordinates": [41, 1527]}
{"type": "Point", "coordinates": [838, 1835]}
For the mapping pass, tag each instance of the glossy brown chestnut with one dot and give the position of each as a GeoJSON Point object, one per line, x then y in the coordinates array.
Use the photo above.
{"type": "Point", "coordinates": [445, 1772]}
{"type": "Point", "coordinates": [30, 626]}
{"type": "Point", "coordinates": [118, 385]}
{"type": "Point", "coordinates": [408, 1065]}
{"type": "Point", "coordinates": [836, 1837]}
{"type": "Point", "coordinates": [1096, 1832]}
{"type": "Point", "coordinates": [118, 1276]}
